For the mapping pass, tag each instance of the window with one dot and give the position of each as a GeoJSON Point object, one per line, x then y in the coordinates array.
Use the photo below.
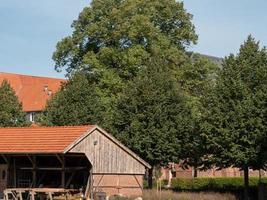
{"type": "Point", "coordinates": [30, 116]}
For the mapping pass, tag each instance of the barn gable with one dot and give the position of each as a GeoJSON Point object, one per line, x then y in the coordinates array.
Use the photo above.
{"type": "Point", "coordinates": [69, 157]}
{"type": "Point", "coordinates": [107, 154]}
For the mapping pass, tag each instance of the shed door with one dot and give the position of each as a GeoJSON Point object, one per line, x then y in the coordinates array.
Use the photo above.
{"type": "Point", "coordinates": [3, 177]}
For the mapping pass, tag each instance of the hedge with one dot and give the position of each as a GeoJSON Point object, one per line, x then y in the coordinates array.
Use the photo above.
{"type": "Point", "coordinates": [214, 184]}
{"type": "Point", "coordinates": [154, 183]}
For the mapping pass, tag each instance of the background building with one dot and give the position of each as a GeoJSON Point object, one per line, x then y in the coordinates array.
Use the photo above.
{"type": "Point", "coordinates": [32, 91]}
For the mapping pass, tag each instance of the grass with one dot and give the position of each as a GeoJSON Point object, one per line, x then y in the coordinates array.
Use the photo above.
{"type": "Point", "coordinates": [169, 195]}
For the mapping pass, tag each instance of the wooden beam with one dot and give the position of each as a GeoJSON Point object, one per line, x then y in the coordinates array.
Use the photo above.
{"type": "Point", "coordinates": [88, 188]}
{"type": "Point", "coordinates": [41, 178]}
{"type": "Point", "coordinates": [60, 159]}
{"type": "Point", "coordinates": [92, 182]}
{"type": "Point", "coordinates": [8, 175]}
{"type": "Point", "coordinates": [138, 182]}
{"type": "Point", "coordinates": [5, 158]}
{"type": "Point", "coordinates": [69, 169]}
{"type": "Point", "coordinates": [34, 171]}
{"type": "Point", "coordinates": [31, 159]}
{"type": "Point", "coordinates": [14, 173]}
{"type": "Point", "coordinates": [70, 178]}
{"type": "Point", "coordinates": [63, 174]}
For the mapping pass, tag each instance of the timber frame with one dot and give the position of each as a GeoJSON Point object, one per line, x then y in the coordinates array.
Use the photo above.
{"type": "Point", "coordinates": [95, 161]}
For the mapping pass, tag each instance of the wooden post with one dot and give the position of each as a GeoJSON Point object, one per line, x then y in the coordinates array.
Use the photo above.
{"type": "Point", "coordinates": [63, 174]}
{"type": "Point", "coordinates": [89, 185]}
{"type": "Point", "coordinates": [70, 179]}
{"type": "Point", "coordinates": [34, 172]}
{"type": "Point", "coordinates": [14, 172]}
{"type": "Point", "coordinates": [7, 160]}
{"type": "Point", "coordinates": [34, 169]}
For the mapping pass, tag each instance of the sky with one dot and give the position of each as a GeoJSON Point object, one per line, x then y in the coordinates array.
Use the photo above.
{"type": "Point", "coordinates": [30, 29]}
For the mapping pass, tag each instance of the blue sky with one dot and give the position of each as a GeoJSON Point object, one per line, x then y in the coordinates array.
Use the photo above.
{"type": "Point", "coordinates": [30, 29]}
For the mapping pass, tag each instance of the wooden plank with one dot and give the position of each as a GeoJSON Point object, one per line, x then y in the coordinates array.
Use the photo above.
{"type": "Point", "coordinates": [107, 156]}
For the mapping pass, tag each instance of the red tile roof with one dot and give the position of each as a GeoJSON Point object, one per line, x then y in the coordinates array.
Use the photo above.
{"type": "Point", "coordinates": [31, 89]}
{"type": "Point", "coordinates": [40, 139]}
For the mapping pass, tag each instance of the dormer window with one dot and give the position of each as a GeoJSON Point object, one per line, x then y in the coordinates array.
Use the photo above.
{"type": "Point", "coordinates": [45, 88]}
{"type": "Point", "coordinates": [31, 116]}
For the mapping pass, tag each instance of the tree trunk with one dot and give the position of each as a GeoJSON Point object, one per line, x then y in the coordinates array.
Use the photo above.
{"type": "Point", "coordinates": [150, 178]}
{"type": "Point", "coordinates": [246, 183]}
{"type": "Point", "coordinates": [195, 172]}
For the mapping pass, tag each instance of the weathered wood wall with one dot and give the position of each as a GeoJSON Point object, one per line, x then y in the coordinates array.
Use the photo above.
{"type": "Point", "coordinates": [106, 156]}
{"type": "Point", "coordinates": [127, 185]}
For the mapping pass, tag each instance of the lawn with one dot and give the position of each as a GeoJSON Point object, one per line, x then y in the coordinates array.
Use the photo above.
{"type": "Point", "coordinates": [169, 195]}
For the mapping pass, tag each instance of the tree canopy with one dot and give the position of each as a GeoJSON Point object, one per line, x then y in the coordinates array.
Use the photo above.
{"type": "Point", "coordinates": [151, 116]}
{"type": "Point", "coordinates": [235, 110]}
{"type": "Point", "coordinates": [197, 77]}
{"type": "Point", "coordinates": [75, 104]}
{"type": "Point", "coordinates": [113, 39]}
{"type": "Point", "coordinates": [11, 113]}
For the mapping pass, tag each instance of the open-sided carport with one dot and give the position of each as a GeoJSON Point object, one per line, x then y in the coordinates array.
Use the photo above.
{"type": "Point", "coordinates": [69, 157]}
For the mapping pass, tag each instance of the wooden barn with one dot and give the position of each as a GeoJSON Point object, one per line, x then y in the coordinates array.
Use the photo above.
{"type": "Point", "coordinates": [72, 157]}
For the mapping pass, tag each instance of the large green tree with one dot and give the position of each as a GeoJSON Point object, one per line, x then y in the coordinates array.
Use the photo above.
{"type": "Point", "coordinates": [197, 77]}
{"type": "Point", "coordinates": [119, 36]}
{"type": "Point", "coordinates": [11, 114]}
{"type": "Point", "coordinates": [152, 115]}
{"type": "Point", "coordinates": [234, 110]}
{"type": "Point", "coordinates": [113, 39]}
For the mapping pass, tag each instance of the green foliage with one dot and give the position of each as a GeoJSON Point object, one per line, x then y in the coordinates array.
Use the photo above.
{"type": "Point", "coordinates": [120, 35]}
{"type": "Point", "coordinates": [11, 114]}
{"type": "Point", "coordinates": [196, 78]}
{"type": "Point", "coordinates": [111, 42]}
{"type": "Point", "coordinates": [151, 115]}
{"type": "Point", "coordinates": [214, 184]}
{"type": "Point", "coordinates": [235, 110]}
{"type": "Point", "coordinates": [75, 104]}
{"type": "Point", "coordinates": [164, 183]}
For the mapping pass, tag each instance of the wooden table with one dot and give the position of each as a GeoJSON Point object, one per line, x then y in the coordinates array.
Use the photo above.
{"type": "Point", "coordinates": [17, 193]}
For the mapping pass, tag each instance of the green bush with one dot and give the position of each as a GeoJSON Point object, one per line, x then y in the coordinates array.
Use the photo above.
{"type": "Point", "coordinates": [154, 184]}
{"type": "Point", "coordinates": [214, 184]}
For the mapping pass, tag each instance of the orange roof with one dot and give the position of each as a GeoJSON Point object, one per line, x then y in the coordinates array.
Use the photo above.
{"type": "Point", "coordinates": [40, 139]}
{"type": "Point", "coordinates": [32, 91]}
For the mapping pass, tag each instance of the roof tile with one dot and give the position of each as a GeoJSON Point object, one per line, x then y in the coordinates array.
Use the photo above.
{"type": "Point", "coordinates": [40, 139]}
{"type": "Point", "coordinates": [31, 89]}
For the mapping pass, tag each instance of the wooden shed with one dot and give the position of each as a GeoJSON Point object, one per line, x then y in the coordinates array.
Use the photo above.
{"type": "Point", "coordinates": [74, 157]}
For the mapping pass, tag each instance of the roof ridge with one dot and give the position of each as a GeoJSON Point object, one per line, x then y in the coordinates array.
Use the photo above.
{"type": "Point", "coordinates": [35, 76]}
{"type": "Point", "coordinates": [43, 127]}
